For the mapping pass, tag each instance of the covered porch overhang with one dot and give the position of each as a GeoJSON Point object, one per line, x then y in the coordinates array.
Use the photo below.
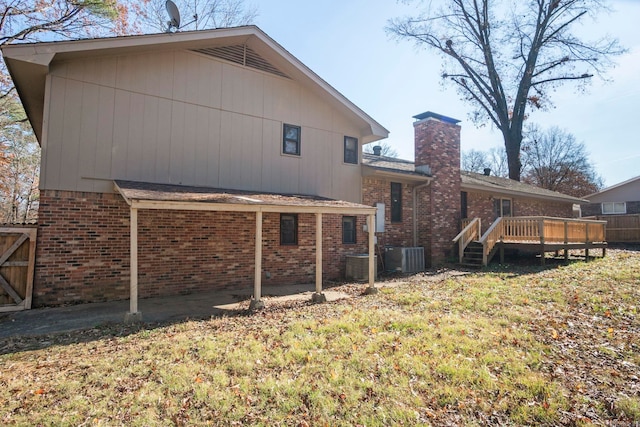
{"type": "Point", "coordinates": [142, 195]}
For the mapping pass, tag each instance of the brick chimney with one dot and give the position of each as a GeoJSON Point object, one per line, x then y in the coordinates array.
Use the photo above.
{"type": "Point", "coordinates": [437, 149]}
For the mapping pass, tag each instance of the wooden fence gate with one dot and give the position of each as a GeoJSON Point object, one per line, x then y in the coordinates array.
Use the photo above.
{"type": "Point", "coordinates": [17, 262]}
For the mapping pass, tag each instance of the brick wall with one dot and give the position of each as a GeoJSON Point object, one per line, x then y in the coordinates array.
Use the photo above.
{"type": "Point", "coordinates": [437, 144]}
{"type": "Point", "coordinates": [480, 205]}
{"type": "Point", "coordinates": [83, 249]}
{"type": "Point", "coordinates": [376, 190]}
{"type": "Point", "coordinates": [527, 207]}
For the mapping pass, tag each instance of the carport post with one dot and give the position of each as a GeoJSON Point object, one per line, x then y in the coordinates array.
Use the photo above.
{"type": "Point", "coordinates": [133, 315]}
{"type": "Point", "coordinates": [318, 296]}
{"type": "Point", "coordinates": [256, 302]}
{"type": "Point", "coordinates": [371, 226]}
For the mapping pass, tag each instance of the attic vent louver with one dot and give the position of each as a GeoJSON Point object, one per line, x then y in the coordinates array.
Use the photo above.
{"type": "Point", "coordinates": [243, 55]}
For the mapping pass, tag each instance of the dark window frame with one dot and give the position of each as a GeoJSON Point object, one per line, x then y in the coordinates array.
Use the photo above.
{"type": "Point", "coordinates": [288, 235]}
{"type": "Point", "coordinates": [499, 208]}
{"type": "Point", "coordinates": [285, 128]}
{"type": "Point", "coordinates": [464, 204]}
{"type": "Point", "coordinates": [396, 202]}
{"type": "Point", "coordinates": [351, 155]}
{"type": "Point", "coordinates": [349, 237]}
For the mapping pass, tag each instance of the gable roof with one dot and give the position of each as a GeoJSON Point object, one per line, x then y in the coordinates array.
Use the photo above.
{"type": "Point", "coordinates": [28, 65]}
{"type": "Point", "coordinates": [510, 187]}
{"type": "Point", "coordinates": [381, 165]}
{"type": "Point", "coordinates": [613, 187]}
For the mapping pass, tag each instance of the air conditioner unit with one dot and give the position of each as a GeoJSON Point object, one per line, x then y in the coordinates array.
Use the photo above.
{"type": "Point", "coordinates": [405, 260]}
{"type": "Point", "coordinates": [358, 267]}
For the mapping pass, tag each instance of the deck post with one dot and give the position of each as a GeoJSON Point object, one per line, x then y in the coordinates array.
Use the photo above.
{"type": "Point", "coordinates": [256, 302]}
{"type": "Point", "coordinates": [541, 232]}
{"type": "Point", "coordinates": [586, 243]}
{"type": "Point", "coordinates": [318, 296]}
{"type": "Point", "coordinates": [371, 226]}
{"type": "Point", "coordinates": [566, 241]}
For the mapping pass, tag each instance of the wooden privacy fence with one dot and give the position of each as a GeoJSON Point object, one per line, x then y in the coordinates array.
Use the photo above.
{"type": "Point", "coordinates": [621, 228]}
{"type": "Point", "coordinates": [17, 262]}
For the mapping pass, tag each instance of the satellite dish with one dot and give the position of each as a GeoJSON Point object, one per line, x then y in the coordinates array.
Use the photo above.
{"type": "Point", "coordinates": [174, 15]}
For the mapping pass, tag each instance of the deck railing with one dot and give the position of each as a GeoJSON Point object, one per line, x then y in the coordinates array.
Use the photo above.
{"type": "Point", "coordinates": [470, 232]}
{"type": "Point", "coordinates": [552, 230]}
{"type": "Point", "coordinates": [543, 230]}
{"type": "Point", "coordinates": [490, 239]}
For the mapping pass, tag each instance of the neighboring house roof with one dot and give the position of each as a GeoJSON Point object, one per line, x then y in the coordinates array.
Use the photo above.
{"type": "Point", "coordinates": [152, 195]}
{"type": "Point", "coordinates": [614, 187]}
{"type": "Point", "coordinates": [390, 167]}
{"type": "Point", "coordinates": [28, 64]}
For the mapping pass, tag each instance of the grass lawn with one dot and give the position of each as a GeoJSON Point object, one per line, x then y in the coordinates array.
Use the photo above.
{"type": "Point", "coordinates": [506, 346]}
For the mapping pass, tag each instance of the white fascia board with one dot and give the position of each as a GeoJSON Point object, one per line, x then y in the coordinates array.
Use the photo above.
{"type": "Point", "coordinates": [231, 207]}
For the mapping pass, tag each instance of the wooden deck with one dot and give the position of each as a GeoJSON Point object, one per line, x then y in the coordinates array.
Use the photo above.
{"type": "Point", "coordinates": [541, 234]}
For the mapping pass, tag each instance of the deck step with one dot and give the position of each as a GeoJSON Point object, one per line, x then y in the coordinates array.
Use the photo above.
{"type": "Point", "coordinates": [472, 255]}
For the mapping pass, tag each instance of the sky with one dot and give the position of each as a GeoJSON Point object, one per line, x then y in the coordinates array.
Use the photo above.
{"type": "Point", "coordinates": [345, 43]}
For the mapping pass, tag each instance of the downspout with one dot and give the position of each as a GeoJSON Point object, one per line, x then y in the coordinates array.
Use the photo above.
{"type": "Point", "coordinates": [415, 211]}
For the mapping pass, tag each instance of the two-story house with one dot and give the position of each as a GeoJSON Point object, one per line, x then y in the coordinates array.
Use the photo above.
{"type": "Point", "coordinates": [180, 162]}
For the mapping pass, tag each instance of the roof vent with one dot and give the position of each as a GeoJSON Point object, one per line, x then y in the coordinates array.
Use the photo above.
{"type": "Point", "coordinates": [243, 55]}
{"type": "Point", "coordinates": [377, 150]}
{"type": "Point", "coordinates": [487, 171]}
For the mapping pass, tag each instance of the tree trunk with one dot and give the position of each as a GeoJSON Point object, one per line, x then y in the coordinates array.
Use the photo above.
{"type": "Point", "coordinates": [512, 142]}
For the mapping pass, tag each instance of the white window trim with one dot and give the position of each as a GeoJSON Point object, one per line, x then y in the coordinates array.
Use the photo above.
{"type": "Point", "coordinates": [613, 210]}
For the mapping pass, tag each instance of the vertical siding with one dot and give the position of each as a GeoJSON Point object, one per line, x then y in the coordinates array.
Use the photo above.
{"type": "Point", "coordinates": [88, 139]}
{"type": "Point", "coordinates": [120, 134]}
{"type": "Point", "coordinates": [184, 118]}
{"type": "Point", "coordinates": [104, 134]}
{"type": "Point", "coordinates": [69, 153]}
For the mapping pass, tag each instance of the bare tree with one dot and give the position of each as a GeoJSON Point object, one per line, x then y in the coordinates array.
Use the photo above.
{"type": "Point", "coordinates": [201, 14]}
{"type": "Point", "coordinates": [474, 161]}
{"type": "Point", "coordinates": [477, 161]}
{"type": "Point", "coordinates": [506, 57]}
{"type": "Point", "coordinates": [386, 149]}
{"type": "Point", "coordinates": [554, 160]}
{"type": "Point", "coordinates": [30, 21]}
{"type": "Point", "coordinates": [20, 170]}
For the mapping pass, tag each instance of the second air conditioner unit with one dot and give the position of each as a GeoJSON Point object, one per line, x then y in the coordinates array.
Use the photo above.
{"type": "Point", "coordinates": [404, 260]}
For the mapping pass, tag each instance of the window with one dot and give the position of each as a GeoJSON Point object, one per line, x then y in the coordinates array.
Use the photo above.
{"type": "Point", "coordinates": [502, 207]}
{"type": "Point", "coordinates": [288, 229]}
{"type": "Point", "coordinates": [291, 139]}
{"type": "Point", "coordinates": [348, 229]}
{"type": "Point", "coordinates": [396, 202]}
{"type": "Point", "coordinates": [463, 205]}
{"type": "Point", "coordinates": [351, 150]}
{"type": "Point", "coordinates": [610, 208]}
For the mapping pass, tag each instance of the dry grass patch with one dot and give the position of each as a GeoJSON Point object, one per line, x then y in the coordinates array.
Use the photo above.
{"type": "Point", "coordinates": [535, 347]}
